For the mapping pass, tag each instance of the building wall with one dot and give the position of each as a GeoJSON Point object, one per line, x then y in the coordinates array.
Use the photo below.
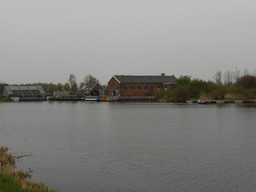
{"type": "Point", "coordinates": [169, 86]}
{"type": "Point", "coordinates": [139, 89]}
{"type": "Point", "coordinates": [113, 84]}
{"type": "Point", "coordinates": [134, 89]}
{"type": "Point", "coordinates": [98, 88]}
{"type": "Point", "coordinates": [61, 93]}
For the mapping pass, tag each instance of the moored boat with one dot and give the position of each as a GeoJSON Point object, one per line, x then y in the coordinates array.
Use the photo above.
{"type": "Point", "coordinates": [203, 102]}
{"type": "Point", "coordinates": [103, 99]}
{"type": "Point", "coordinates": [92, 98]}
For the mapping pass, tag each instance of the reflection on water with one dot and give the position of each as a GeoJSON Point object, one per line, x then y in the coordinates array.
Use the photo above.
{"type": "Point", "coordinates": [82, 146]}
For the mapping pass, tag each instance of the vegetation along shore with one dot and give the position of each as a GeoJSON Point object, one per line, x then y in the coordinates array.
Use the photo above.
{"type": "Point", "coordinates": [235, 87]}
{"type": "Point", "coordinates": [14, 181]}
{"type": "Point", "coordinates": [5, 99]}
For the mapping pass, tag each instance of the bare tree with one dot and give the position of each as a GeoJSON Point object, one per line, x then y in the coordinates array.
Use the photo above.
{"type": "Point", "coordinates": [217, 77]}
{"type": "Point", "coordinates": [246, 72]}
{"type": "Point", "coordinates": [237, 75]}
{"type": "Point", "coordinates": [228, 78]}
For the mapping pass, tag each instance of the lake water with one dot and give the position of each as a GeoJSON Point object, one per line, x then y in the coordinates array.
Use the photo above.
{"type": "Point", "coordinates": [83, 146]}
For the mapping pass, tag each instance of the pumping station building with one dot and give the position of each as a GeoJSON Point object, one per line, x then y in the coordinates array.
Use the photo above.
{"type": "Point", "coordinates": [129, 87]}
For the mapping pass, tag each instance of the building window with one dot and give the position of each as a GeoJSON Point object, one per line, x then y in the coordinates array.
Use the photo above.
{"type": "Point", "coordinates": [145, 88]}
{"type": "Point", "coordinates": [158, 88]}
{"type": "Point", "coordinates": [139, 88]}
{"type": "Point", "coordinates": [132, 88]}
{"type": "Point", "coordinates": [165, 88]}
{"type": "Point", "coordinates": [125, 88]}
{"type": "Point", "coordinates": [152, 89]}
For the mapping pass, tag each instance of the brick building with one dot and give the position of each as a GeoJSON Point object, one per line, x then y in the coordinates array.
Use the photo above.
{"type": "Point", "coordinates": [127, 85]}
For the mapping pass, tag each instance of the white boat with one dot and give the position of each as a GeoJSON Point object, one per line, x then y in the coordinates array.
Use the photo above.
{"type": "Point", "coordinates": [203, 102]}
{"type": "Point", "coordinates": [91, 98]}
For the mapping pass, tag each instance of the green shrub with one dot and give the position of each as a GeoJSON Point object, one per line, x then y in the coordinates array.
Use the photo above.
{"type": "Point", "coordinates": [162, 95]}
{"type": "Point", "coordinates": [249, 94]}
{"type": "Point", "coordinates": [220, 92]}
{"type": "Point", "coordinates": [179, 94]}
{"type": "Point", "coordinates": [2, 98]}
{"type": "Point", "coordinates": [8, 183]}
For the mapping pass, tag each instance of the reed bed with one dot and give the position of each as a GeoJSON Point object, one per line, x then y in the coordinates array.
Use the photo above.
{"type": "Point", "coordinates": [10, 177]}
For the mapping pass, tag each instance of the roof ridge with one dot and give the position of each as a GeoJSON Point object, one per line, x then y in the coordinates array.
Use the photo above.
{"type": "Point", "coordinates": [144, 78]}
{"type": "Point", "coordinates": [144, 75]}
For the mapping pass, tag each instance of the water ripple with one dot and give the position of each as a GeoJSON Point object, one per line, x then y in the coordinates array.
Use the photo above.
{"type": "Point", "coordinates": [134, 147]}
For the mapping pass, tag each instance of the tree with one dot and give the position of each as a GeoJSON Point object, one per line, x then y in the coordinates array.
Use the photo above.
{"type": "Point", "coordinates": [59, 87]}
{"type": "Point", "coordinates": [210, 86]}
{"type": "Point", "coordinates": [198, 86]}
{"type": "Point", "coordinates": [246, 72]}
{"type": "Point", "coordinates": [237, 74]}
{"type": "Point", "coordinates": [247, 82]}
{"type": "Point", "coordinates": [81, 85]}
{"type": "Point", "coordinates": [217, 77]}
{"type": "Point", "coordinates": [66, 87]}
{"type": "Point", "coordinates": [183, 80]}
{"type": "Point", "coordinates": [228, 78]}
{"type": "Point", "coordinates": [74, 88]}
{"type": "Point", "coordinates": [220, 92]}
{"type": "Point", "coordinates": [89, 78]}
{"type": "Point", "coordinates": [50, 89]}
{"type": "Point", "coordinates": [72, 81]}
{"type": "Point", "coordinates": [180, 93]}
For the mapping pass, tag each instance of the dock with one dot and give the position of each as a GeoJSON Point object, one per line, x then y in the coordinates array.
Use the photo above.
{"type": "Point", "coordinates": [221, 101]}
{"type": "Point", "coordinates": [134, 98]}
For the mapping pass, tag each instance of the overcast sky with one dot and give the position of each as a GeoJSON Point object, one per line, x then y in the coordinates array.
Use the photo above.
{"type": "Point", "coordinates": [46, 41]}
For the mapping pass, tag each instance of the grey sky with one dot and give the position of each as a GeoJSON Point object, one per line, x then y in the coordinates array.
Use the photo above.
{"type": "Point", "coordinates": [45, 41]}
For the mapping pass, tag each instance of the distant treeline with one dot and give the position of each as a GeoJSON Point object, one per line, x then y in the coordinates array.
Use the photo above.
{"type": "Point", "coordinates": [71, 85]}
{"type": "Point", "coordinates": [237, 85]}
{"type": "Point", "coordinates": [234, 85]}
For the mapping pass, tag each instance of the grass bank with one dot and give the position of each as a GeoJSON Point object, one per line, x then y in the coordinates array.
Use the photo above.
{"type": "Point", "coordinates": [16, 181]}
{"type": "Point", "coordinates": [5, 99]}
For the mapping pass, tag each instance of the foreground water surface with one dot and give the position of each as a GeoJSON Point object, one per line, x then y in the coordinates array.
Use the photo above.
{"type": "Point", "coordinates": [83, 146]}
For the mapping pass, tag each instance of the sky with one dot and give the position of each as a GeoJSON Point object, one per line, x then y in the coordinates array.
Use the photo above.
{"type": "Point", "coordinates": [46, 41]}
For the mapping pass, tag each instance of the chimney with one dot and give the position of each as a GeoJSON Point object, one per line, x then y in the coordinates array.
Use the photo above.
{"type": "Point", "coordinates": [162, 74]}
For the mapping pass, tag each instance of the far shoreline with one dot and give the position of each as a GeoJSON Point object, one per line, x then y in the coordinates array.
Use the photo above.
{"type": "Point", "coordinates": [206, 101]}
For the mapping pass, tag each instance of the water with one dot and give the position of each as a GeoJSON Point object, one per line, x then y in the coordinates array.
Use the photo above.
{"type": "Point", "coordinates": [83, 146]}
